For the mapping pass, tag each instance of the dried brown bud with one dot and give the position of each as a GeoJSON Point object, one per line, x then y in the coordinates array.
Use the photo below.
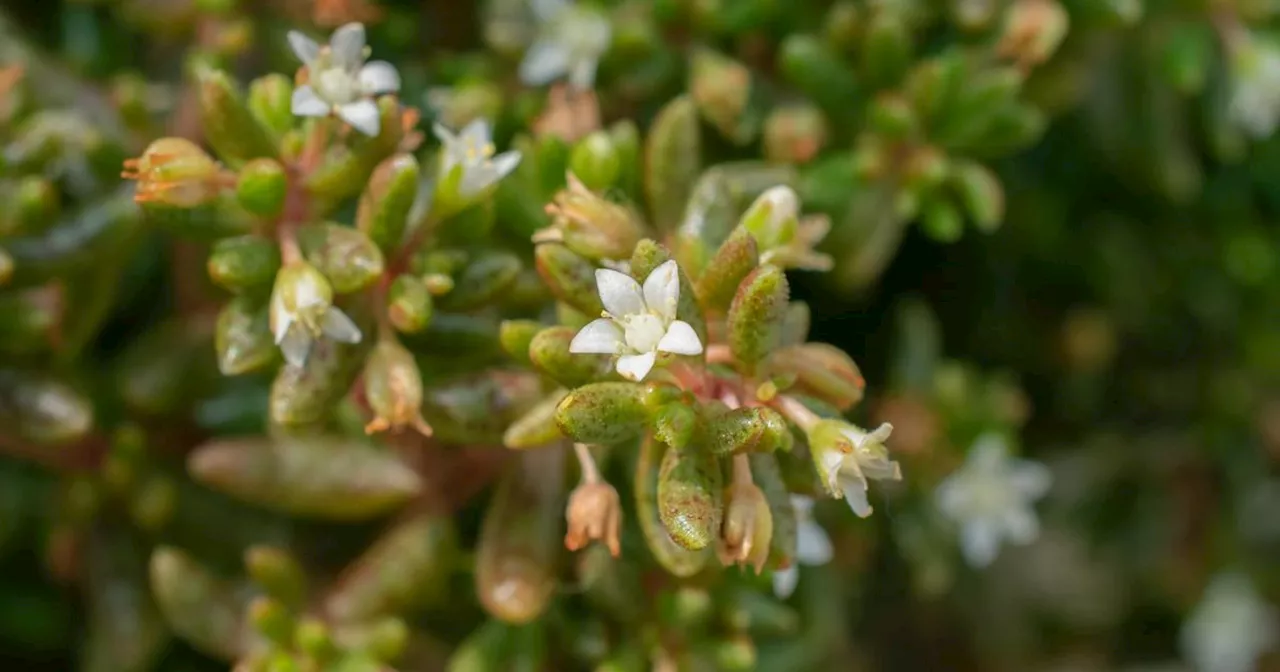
{"type": "Point", "coordinates": [593, 514]}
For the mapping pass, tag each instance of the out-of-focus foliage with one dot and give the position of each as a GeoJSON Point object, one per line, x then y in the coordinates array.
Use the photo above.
{"type": "Point", "coordinates": [521, 335]}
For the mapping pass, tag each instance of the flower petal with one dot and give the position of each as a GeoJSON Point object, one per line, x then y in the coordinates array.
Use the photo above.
{"type": "Point", "coordinates": [980, 542]}
{"type": "Point", "coordinates": [303, 47]}
{"type": "Point", "coordinates": [1031, 479]}
{"type": "Point", "coordinates": [362, 115]}
{"type": "Point", "coordinates": [636, 367]}
{"type": "Point", "coordinates": [855, 493]}
{"type": "Point", "coordinates": [305, 103]}
{"type": "Point", "coordinates": [544, 62]}
{"type": "Point", "coordinates": [662, 289]}
{"type": "Point", "coordinates": [446, 136]}
{"type": "Point", "coordinates": [619, 293]}
{"type": "Point", "coordinates": [1021, 525]}
{"type": "Point", "coordinates": [379, 77]}
{"type": "Point", "coordinates": [680, 339]}
{"type": "Point", "coordinates": [582, 74]}
{"type": "Point", "coordinates": [347, 44]}
{"type": "Point", "coordinates": [476, 134]}
{"type": "Point", "coordinates": [546, 10]}
{"type": "Point", "coordinates": [339, 327]}
{"type": "Point", "coordinates": [831, 461]}
{"type": "Point", "coordinates": [601, 336]}
{"type": "Point", "coordinates": [295, 345]}
{"type": "Point", "coordinates": [504, 163]}
{"type": "Point", "coordinates": [785, 580]}
{"type": "Point", "coordinates": [813, 546]}
{"type": "Point", "coordinates": [279, 327]}
{"type": "Point", "coordinates": [881, 469]}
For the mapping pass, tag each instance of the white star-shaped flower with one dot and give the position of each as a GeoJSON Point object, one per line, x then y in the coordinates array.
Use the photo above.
{"type": "Point", "coordinates": [472, 153]}
{"type": "Point", "coordinates": [639, 322]}
{"type": "Point", "coordinates": [1231, 627]}
{"type": "Point", "coordinates": [302, 312]}
{"type": "Point", "coordinates": [813, 547]}
{"type": "Point", "coordinates": [846, 464]}
{"type": "Point", "coordinates": [571, 39]}
{"type": "Point", "coordinates": [992, 498]}
{"type": "Point", "coordinates": [339, 82]}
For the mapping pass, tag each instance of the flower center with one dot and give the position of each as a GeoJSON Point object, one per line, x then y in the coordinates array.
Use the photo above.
{"type": "Point", "coordinates": [335, 86]}
{"type": "Point", "coordinates": [643, 331]}
{"type": "Point", "coordinates": [475, 153]}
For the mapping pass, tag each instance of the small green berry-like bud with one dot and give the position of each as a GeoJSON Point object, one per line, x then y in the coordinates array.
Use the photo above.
{"type": "Point", "coordinates": [515, 337]}
{"type": "Point", "coordinates": [347, 257]}
{"type": "Point", "coordinates": [595, 161]}
{"type": "Point", "coordinates": [603, 413]}
{"type": "Point", "coordinates": [262, 186]}
{"type": "Point", "coordinates": [549, 352]}
{"type": "Point", "coordinates": [233, 131]}
{"type": "Point", "coordinates": [689, 497]}
{"type": "Point", "coordinates": [270, 100]}
{"type": "Point", "coordinates": [384, 206]}
{"type": "Point", "coordinates": [756, 314]}
{"type": "Point", "coordinates": [747, 430]}
{"type": "Point", "coordinates": [794, 133]}
{"type": "Point", "coordinates": [393, 386]}
{"type": "Point", "coordinates": [570, 277]}
{"type": "Point", "coordinates": [242, 337]}
{"type": "Point", "coordinates": [244, 263]}
{"type": "Point", "coordinates": [409, 304]}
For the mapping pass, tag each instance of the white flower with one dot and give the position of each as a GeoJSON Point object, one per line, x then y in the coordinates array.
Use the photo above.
{"type": "Point", "coordinates": [302, 312]}
{"type": "Point", "coordinates": [1231, 627]}
{"type": "Point", "coordinates": [1254, 102]}
{"type": "Point", "coordinates": [571, 39]}
{"type": "Point", "coordinates": [847, 456]}
{"type": "Point", "coordinates": [638, 323]}
{"type": "Point", "coordinates": [813, 547]}
{"type": "Point", "coordinates": [339, 82]}
{"type": "Point", "coordinates": [471, 152]}
{"type": "Point", "coordinates": [991, 497]}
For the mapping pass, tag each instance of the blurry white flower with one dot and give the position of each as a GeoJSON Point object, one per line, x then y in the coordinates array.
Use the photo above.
{"type": "Point", "coordinates": [571, 39]}
{"type": "Point", "coordinates": [1231, 627]}
{"type": "Point", "coordinates": [638, 322]}
{"type": "Point", "coordinates": [472, 153]}
{"type": "Point", "coordinates": [302, 312]}
{"type": "Point", "coordinates": [339, 82]}
{"type": "Point", "coordinates": [991, 497]}
{"type": "Point", "coordinates": [813, 547]}
{"type": "Point", "coordinates": [1254, 102]}
{"type": "Point", "coordinates": [846, 456]}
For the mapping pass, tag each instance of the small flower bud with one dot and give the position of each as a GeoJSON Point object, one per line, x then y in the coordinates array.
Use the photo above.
{"type": "Point", "coordinates": [244, 263]}
{"type": "Point", "coordinates": [721, 87]}
{"type": "Point", "coordinates": [748, 527]}
{"type": "Point", "coordinates": [773, 217]}
{"type": "Point", "coordinates": [270, 101]}
{"type": "Point", "coordinates": [175, 172]}
{"type": "Point", "coordinates": [1033, 30]}
{"type": "Point", "coordinates": [409, 304]}
{"type": "Point", "coordinates": [794, 134]}
{"type": "Point", "coordinates": [393, 386]}
{"type": "Point", "coordinates": [595, 161]}
{"type": "Point", "coordinates": [594, 514]}
{"type": "Point", "coordinates": [590, 225]}
{"type": "Point", "coordinates": [346, 256]}
{"type": "Point", "coordinates": [262, 186]}
{"type": "Point", "coordinates": [385, 204]}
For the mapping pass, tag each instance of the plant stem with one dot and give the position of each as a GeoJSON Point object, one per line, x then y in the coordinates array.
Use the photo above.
{"type": "Point", "coordinates": [590, 472]}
